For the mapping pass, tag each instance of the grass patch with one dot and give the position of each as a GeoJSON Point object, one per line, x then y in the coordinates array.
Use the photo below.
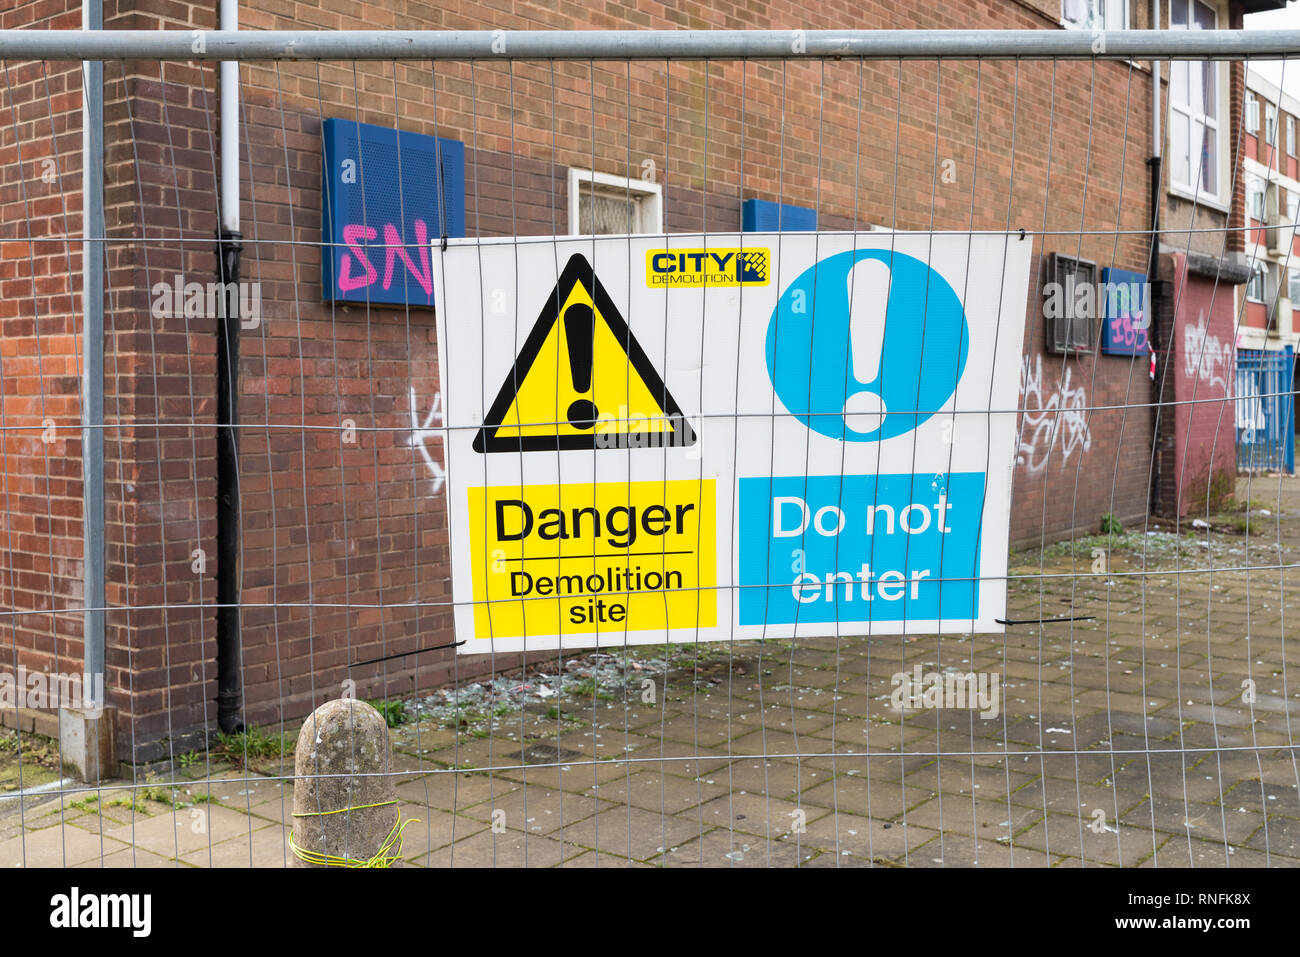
{"type": "Point", "coordinates": [253, 744]}
{"type": "Point", "coordinates": [587, 688]}
{"type": "Point", "coordinates": [162, 794]}
{"type": "Point", "coordinates": [393, 710]}
{"type": "Point", "coordinates": [38, 756]}
{"type": "Point", "coordinates": [135, 805]}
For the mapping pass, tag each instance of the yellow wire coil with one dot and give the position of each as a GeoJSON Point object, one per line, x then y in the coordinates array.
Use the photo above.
{"type": "Point", "coordinates": [389, 853]}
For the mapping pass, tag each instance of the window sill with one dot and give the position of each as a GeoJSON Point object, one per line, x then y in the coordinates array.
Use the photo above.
{"type": "Point", "coordinates": [1200, 199]}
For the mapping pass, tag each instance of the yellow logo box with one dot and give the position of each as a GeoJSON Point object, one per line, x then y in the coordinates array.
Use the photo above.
{"type": "Point", "coordinates": [708, 267]}
{"type": "Point", "coordinates": [582, 558]}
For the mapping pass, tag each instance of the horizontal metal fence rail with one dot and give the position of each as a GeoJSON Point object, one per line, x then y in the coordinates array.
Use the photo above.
{"type": "Point", "coordinates": [649, 44]}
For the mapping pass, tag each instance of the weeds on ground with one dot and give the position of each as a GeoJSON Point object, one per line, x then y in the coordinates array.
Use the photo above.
{"type": "Point", "coordinates": [393, 710]}
{"type": "Point", "coordinates": [253, 744]}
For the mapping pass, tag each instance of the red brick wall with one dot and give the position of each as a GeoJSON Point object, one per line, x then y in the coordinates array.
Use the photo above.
{"type": "Point", "coordinates": [344, 543]}
{"type": "Point", "coordinates": [40, 447]}
{"type": "Point", "coordinates": [793, 133]}
{"type": "Point", "coordinates": [1199, 455]}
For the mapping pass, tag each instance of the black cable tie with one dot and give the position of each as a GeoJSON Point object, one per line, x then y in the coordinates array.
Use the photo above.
{"type": "Point", "coordinates": [1042, 621]}
{"type": "Point", "coordinates": [405, 654]}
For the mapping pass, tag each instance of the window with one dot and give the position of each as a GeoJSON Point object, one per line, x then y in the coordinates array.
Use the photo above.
{"type": "Point", "coordinates": [1071, 303]}
{"type": "Point", "coordinates": [1255, 287]}
{"type": "Point", "coordinates": [1252, 114]}
{"type": "Point", "coordinates": [1095, 14]}
{"type": "Point", "coordinates": [1292, 208]}
{"type": "Point", "coordinates": [1194, 129]}
{"type": "Point", "coordinates": [1290, 136]}
{"type": "Point", "coordinates": [1255, 198]}
{"type": "Point", "coordinates": [1270, 124]}
{"type": "Point", "coordinates": [602, 205]}
{"type": "Point", "coordinates": [1293, 285]}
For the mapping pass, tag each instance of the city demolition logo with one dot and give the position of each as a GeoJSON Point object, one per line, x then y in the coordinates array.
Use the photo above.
{"type": "Point", "coordinates": [948, 690]}
{"type": "Point", "coordinates": [210, 300]}
{"type": "Point", "coordinates": [708, 267]}
{"type": "Point", "coordinates": [52, 691]}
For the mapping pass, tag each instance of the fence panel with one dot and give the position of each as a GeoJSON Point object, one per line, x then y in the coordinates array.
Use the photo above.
{"type": "Point", "coordinates": [1118, 685]}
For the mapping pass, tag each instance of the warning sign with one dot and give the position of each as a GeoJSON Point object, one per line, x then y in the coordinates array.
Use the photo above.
{"type": "Point", "coordinates": [580, 558]}
{"type": "Point", "coordinates": [734, 436]}
{"type": "Point", "coordinates": [581, 380]}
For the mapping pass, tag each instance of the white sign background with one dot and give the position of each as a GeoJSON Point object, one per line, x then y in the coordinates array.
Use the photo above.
{"type": "Point", "coordinates": [708, 344]}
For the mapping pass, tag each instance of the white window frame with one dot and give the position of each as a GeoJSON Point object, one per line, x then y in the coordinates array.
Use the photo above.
{"type": "Point", "coordinates": [1193, 191]}
{"type": "Point", "coordinates": [1259, 274]}
{"type": "Point", "coordinates": [1292, 284]}
{"type": "Point", "coordinates": [1290, 135]}
{"type": "Point", "coordinates": [1098, 14]}
{"type": "Point", "coordinates": [1256, 186]}
{"type": "Point", "coordinates": [1252, 113]}
{"type": "Point", "coordinates": [1270, 124]}
{"type": "Point", "coordinates": [649, 198]}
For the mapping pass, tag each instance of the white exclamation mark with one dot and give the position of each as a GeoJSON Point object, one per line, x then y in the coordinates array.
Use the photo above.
{"type": "Point", "coordinates": [868, 282]}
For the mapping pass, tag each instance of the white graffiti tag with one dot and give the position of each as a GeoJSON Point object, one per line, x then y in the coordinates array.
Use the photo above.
{"type": "Point", "coordinates": [1061, 417]}
{"type": "Point", "coordinates": [422, 432]}
{"type": "Point", "coordinates": [1206, 357]}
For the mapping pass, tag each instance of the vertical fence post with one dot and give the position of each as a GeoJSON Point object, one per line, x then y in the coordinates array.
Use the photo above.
{"type": "Point", "coordinates": [86, 733]}
{"type": "Point", "coordinates": [92, 406]}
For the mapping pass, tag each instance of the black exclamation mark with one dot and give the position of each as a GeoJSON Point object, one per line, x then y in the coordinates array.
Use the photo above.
{"type": "Point", "coordinates": [579, 329]}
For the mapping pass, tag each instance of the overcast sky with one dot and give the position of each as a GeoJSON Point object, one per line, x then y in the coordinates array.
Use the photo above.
{"type": "Point", "coordinates": [1288, 19]}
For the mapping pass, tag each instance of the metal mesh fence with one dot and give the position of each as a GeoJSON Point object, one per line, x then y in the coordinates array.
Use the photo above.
{"type": "Point", "coordinates": [1133, 704]}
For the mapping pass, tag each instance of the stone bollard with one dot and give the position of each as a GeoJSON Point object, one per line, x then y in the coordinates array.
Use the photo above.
{"type": "Point", "coordinates": [348, 738]}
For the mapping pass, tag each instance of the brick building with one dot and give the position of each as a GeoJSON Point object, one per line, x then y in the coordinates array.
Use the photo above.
{"type": "Point", "coordinates": [1266, 336]}
{"type": "Point", "coordinates": [343, 549]}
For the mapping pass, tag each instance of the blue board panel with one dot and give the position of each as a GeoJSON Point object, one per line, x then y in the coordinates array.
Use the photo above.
{"type": "Point", "coordinates": [764, 216]}
{"type": "Point", "coordinates": [860, 548]}
{"type": "Point", "coordinates": [1125, 319]}
{"type": "Point", "coordinates": [386, 195]}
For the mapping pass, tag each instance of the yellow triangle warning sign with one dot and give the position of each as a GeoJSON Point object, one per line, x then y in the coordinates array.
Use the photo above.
{"type": "Point", "coordinates": [581, 380]}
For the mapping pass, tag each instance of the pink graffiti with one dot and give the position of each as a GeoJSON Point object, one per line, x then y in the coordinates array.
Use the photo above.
{"type": "Point", "coordinates": [1124, 333]}
{"type": "Point", "coordinates": [355, 233]}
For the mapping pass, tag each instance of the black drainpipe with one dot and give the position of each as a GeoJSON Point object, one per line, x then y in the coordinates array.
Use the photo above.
{"type": "Point", "coordinates": [1154, 329]}
{"type": "Point", "coordinates": [229, 671]}
{"type": "Point", "coordinates": [1153, 267]}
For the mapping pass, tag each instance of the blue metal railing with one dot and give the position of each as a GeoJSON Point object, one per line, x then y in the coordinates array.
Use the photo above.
{"type": "Point", "coordinates": [1265, 410]}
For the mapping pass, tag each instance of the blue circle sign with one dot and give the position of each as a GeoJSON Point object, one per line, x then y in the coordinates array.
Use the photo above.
{"type": "Point", "coordinates": [912, 362]}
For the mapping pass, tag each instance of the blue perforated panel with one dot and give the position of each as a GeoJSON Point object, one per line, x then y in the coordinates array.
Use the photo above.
{"type": "Point", "coordinates": [764, 216]}
{"type": "Point", "coordinates": [384, 201]}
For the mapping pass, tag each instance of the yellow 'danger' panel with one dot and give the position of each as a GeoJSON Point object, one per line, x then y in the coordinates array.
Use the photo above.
{"type": "Point", "coordinates": [608, 558]}
{"type": "Point", "coordinates": [622, 400]}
